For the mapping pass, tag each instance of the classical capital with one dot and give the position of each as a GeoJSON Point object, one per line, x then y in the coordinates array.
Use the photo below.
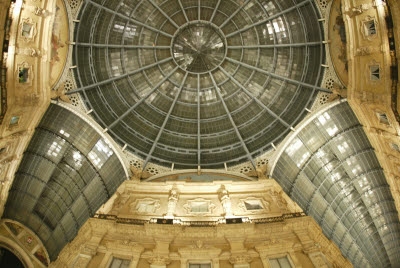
{"type": "Point", "coordinates": [240, 259]}
{"type": "Point", "coordinates": [159, 260]}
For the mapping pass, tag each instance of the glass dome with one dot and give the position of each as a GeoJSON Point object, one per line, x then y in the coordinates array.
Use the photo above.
{"type": "Point", "coordinates": [198, 83]}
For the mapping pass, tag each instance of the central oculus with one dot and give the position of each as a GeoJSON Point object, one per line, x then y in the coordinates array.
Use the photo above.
{"type": "Point", "coordinates": [198, 47]}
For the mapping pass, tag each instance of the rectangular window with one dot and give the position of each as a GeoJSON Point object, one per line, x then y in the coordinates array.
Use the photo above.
{"type": "Point", "coordinates": [14, 120]}
{"type": "Point", "coordinates": [395, 147]}
{"type": "Point", "coordinates": [200, 265]}
{"type": "Point", "coordinates": [119, 263]}
{"type": "Point", "coordinates": [280, 262]}
{"type": "Point", "coordinates": [383, 119]}
{"type": "Point", "coordinates": [199, 207]}
{"type": "Point", "coordinates": [253, 205]}
{"type": "Point", "coordinates": [375, 75]}
{"type": "Point", "coordinates": [370, 27]}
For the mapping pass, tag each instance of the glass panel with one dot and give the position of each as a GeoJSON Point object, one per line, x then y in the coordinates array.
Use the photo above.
{"type": "Point", "coordinates": [274, 263]}
{"type": "Point", "coordinates": [253, 205]}
{"type": "Point", "coordinates": [199, 207]}
{"type": "Point", "coordinates": [120, 263]}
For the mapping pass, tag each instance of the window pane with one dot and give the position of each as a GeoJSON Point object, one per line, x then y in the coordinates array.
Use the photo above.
{"type": "Point", "coordinates": [274, 263]}
{"type": "Point", "coordinates": [120, 263]}
{"type": "Point", "coordinates": [280, 263]}
{"type": "Point", "coordinates": [116, 263]}
{"type": "Point", "coordinates": [199, 207]}
{"type": "Point", "coordinates": [253, 205]}
{"type": "Point", "coordinates": [284, 262]}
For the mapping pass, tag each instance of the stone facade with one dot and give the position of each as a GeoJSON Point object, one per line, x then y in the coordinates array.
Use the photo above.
{"type": "Point", "coordinates": [372, 100]}
{"type": "Point", "coordinates": [143, 235]}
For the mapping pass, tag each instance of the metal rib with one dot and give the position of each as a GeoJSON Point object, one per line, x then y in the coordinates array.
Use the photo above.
{"type": "Point", "coordinates": [233, 122]}
{"type": "Point", "coordinates": [269, 18]}
{"type": "Point", "coordinates": [234, 14]}
{"type": "Point", "coordinates": [277, 45]}
{"type": "Point", "coordinates": [104, 82]}
{"type": "Point", "coordinates": [277, 76]}
{"type": "Point", "coordinates": [120, 46]}
{"type": "Point", "coordinates": [255, 99]}
{"type": "Point", "coordinates": [215, 10]}
{"type": "Point", "coordinates": [164, 14]}
{"type": "Point", "coordinates": [143, 99]}
{"type": "Point", "coordinates": [164, 123]}
{"type": "Point", "coordinates": [198, 123]}
{"type": "Point", "coordinates": [183, 10]}
{"type": "Point", "coordinates": [128, 18]}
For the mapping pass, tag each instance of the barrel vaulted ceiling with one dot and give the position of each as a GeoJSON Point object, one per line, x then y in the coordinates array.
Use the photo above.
{"type": "Point", "coordinates": [68, 171]}
{"type": "Point", "coordinates": [330, 169]}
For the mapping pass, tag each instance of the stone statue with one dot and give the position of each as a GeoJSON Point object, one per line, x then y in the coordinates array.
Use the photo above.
{"type": "Point", "coordinates": [172, 201]}
{"type": "Point", "coordinates": [279, 200]}
{"type": "Point", "coordinates": [226, 202]}
{"type": "Point", "coordinates": [260, 172]}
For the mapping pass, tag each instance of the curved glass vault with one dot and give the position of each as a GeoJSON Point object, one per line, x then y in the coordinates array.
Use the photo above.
{"type": "Point", "coordinates": [198, 83]}
{"type": "Point", "coordinates": [330, 169]}
{"type": "Point", "coordinates": [67, 172]}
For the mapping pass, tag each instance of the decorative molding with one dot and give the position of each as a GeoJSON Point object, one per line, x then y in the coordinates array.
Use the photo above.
{"type": "Point", "coordinates": [145, 206]}
{"type": "Point", "coordinates": [27, 30]}
{"type": "Point", "coordinates": [24, 75]}
{"type": "Point", "coordinates": [363, 28]}
{"type": "Point", "coordinates": [189, 205]}
{"type": "Point", "coordinates": [265, 205]}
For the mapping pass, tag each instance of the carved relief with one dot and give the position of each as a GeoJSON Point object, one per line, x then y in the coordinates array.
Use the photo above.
{"type": "Point", "coordinates": [159, 260]}
{"type": "Point", "coordinates": [279, 200]}
{"type": "Point", "coordinates": [318, 260]}
{"type": "Point", "coordinates": [29, 51]}
{"type": "Point", "coordinates": [119, 202]}
{"type": "Point", "coordinates": [254, 205]}
{"type": "Point", "coordinates": [240, 259]}
{"type": "Point", "coordinates": [199, 206]}
{"type": "Point", "coordinates": [146, 206]}
{"type": "Point", "coordinates": [364, 51]}
{"type": "Point", "coordinates": [42, 12]}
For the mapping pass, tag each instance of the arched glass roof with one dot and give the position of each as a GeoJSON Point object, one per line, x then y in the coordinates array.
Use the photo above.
{"type": "Point", "coordinates": [67, 172]}
{"type": "Point", "coordinates": [198, 83]}
{"type": "Point", "coordinates": [330, 169]}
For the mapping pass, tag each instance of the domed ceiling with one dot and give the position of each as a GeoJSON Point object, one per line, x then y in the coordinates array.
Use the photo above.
{"type": "Point", "coordinates": [198, 83]}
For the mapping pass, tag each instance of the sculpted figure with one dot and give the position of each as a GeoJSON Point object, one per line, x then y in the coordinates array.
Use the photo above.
{"type": "Point", "coordinates": [172, 200]}
{"type": "Point", "coordinates": [226, 202]}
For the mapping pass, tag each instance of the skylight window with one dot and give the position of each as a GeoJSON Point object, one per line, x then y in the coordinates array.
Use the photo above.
{"type": "Point", "coordinates": [77, 159]}
{"type": "Point", "coordinates": [343, 147]}
{"type": "Point", "coordinates": [100, 153]}
{"type": "Point", "coordinates": [292, 148]}
{"type": "Point", "coordinates": [55, 148]}
{"type": "Point", "coordinates": [62, 132]}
